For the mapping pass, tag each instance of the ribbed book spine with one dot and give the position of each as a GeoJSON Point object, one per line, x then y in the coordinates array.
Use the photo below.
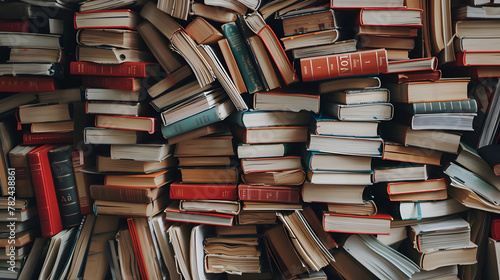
{"type": "Point", "coordinates": [64, 183]}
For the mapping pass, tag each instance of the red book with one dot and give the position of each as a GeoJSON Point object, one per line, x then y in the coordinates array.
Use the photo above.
{"type": "Point", "coordinates": [477, 58]}
{"type": "Point", "coordinates": [81, 180]}
{"type": "Point", "coordinates": [26, 84]}
{"type": "Point", "coordinates": [137, 248]}
{"type": "Point", "coordinates": [341, 65]}
{"type": "Point", "coordinates": [495, 229]}
{"type": "Point", "coordinates": [124, 83]}
{"type": "Point", "coordinates": [127, 69]}
{"type": "Point", "coordinates": [418, 76]}
{"type": "Point", "coordinates": [282, 194]}
{"type": "Point", "coordinates": [14, 26]}
{"type": "Point", "coordinates": [45, 192]}
{"type": "Point", "coordinates": [389, 16]}
{"type": "Point", "coordinates": [203, 191]}
{"type": "Point", "coordinates": [47, 138]}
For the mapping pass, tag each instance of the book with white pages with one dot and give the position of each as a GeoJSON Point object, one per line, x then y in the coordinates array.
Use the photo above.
{"type": "Point", "coordinates": [180, 234]}
{"type": "Point", "coordinates": [217, 206]}
{"type": "Point", "coordinates": [197, 254]}
{"type": "Point", "coordinates": [59, 249]}
{"type": "Point", "coordinates": [166, 248]}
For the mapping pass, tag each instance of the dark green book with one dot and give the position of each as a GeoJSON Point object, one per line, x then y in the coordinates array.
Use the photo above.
{"type": "Point", "coordinates": [242, 57]}
{"type": "Point", "coordinates": [64, 183]}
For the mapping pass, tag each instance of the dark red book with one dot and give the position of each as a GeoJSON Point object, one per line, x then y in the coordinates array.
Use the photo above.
{"type": "Point", "coordinates": [495, 229]}
{"type": "Point", "coordinates": [45, 192]}
{"type": "Point", "coordinates": [345, 64]}
{"type": "Point", "coordinates": [418, 76]}
{"type": "Point", "coordinates": [127, 69]}
{"type": "Point", "coordinates": [282, 194]}
{"type": "Point", "coordinates": [203, 191]}
{"type": "Point", "coordinates": [47, 138]}
{"type": "Point", "coordinates": [26, 84]}
{"type": "Point", "coordinates": [14, 26]}
{"type": "Point", "coordinates": [124, 83]}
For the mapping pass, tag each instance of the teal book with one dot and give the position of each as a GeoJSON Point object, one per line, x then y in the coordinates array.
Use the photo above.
{"type": "Point", "coordinates": [242, 57]}
{"type": "Point", "coordinates": [456, 106]}
{"type": "Point", "coordinates": [204, 118]}
{"type": "Point", "coordinates": [64, 183]}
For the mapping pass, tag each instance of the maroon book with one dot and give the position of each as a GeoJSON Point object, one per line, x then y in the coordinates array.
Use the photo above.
{"type": "Point", "coordinates": [279, 194]}
{"type": "Point", "coordinates": [203, 191]}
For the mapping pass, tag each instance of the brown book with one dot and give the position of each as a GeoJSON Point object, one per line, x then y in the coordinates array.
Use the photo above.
{"type": "Point", "coordinates": [206, 146]}
{"type": "Point", "coordinates": [399, 152]}
{"type": "Point", "coordinates": [432, 189]}
{"type": "Point", "coordinates": [232, 65]}
{"type": "Point", "coordinates": [209, 175]}
{"type": "Point", "coordinates": [203, 32]}
{"type": "Point", "coordinates": [18, 158]}
{"type": "Point", "coordinates": [276, 134]}
{"type": "Point", "coordinates": [142, 180]}
{"type": "Point", "coordinates": [264, 62]}
{"type": "Point", "coordinates": [287, 177]}
{"type": "Point", "coordinates": [131, 209]}
{"type": "Point", "coordinates": [19, 240]}
{"type": "Point", "coordinates": [368, 41]}
{"type": "Point", "coordinates": [107, 164]}
{"type": "Point", "coordinates": [215, 13]}
{"type": "Point", "coordinates": [308, 20]}
{"type": "Point", "coordinates": [162, 21]}
{"type": "Point", "coordinates": [127, 194]}
{"type": "Point", "coordinates": [396, 31]}
{"type": "Point", "coordinates": [199, 132]}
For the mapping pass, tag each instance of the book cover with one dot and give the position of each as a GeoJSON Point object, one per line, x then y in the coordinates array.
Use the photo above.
{"type": "Point", "coordinates": [127, 69]}
{"type": "Point", "coordinates": [285, 194]}
{"type": "Point", "coordinates": [187, 191]}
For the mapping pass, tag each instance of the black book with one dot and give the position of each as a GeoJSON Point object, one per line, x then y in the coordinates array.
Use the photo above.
{"type": "Point", "coordinates": [64, 183]}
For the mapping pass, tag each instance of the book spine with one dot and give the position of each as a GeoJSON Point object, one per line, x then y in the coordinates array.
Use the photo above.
{"type": "Point", "coordinates": [47, 138]}
{"type": "Point", "coordinates": [128, 69]}
{"type": "Point", "coordinates": [100, 192]}
{"type": "Point", "coordinates": [212, 192]}
{"type": "Point", "coordinates": [16, 26]}
{"type": "Point", "coordinates": [64, 183]}
{"type": "Point", "coordinates": [242, 57]}
{"type": "Point", "coordinates": [46, 199]}
{"type": "Point", "coordinates": [201, 119]}
{"type": "Point", "coordinates": [81, 181]}
{"type": "Point", "coordinates": [124, 83]}
{"type": "Point", "coordinates": [24, 186]}
{"type": "Point", "coordinates": [348, 64]}
{"type": "Point", "coordinates": [249, 193]}
{"type": "Point", "coordinates": [458, 106]}
{"type": "Point", "coordinates": [26, 84]}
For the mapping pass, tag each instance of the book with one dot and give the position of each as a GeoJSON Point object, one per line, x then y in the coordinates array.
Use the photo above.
{"type": "Point", "coordinates": [18, 158]}
{"type": "Point", "coordinates": [11, 102]}
{"type": "Point", "coordinates": [340, 177]}
{"type": "Point", "coordinates": [82, 180]}
{"type": "Point", "coordinates": [126, 19]}
{"type": "Point", "coordinates": [377, 224]}
{"type": "Point", "coordinates": [215, 13]}
{"type": "Point", "coordinates": [332, 193]}
{"type": "Point", "coordinates": [442, 90]}
{"type": "Point", "coordinates": [332, 162]}
{"type": "Point", "coordinates": [215, 206]}
{"type": "Point", "coordinates": [58, 253]}
{"type": "Point", "coordinates": [360, 112]}
{"type": "Point", "coordinates": [118, 38]}
{"type": "Point", "coordinates": [333, 126]}
{"type": "Point", "coordinates": [489, 153]}
{"type": "Point", "coordinates": [295, 102]}
{"type": "Point", "coordinates": [43, 186]}
{"type": "Point", "coordinates": [198, 132]}
{"type": "Point", "coordinates": [111, 55]}
{"type": "Point", "coordinates": [151, 180]}
{"type": "Point", "coordinates": [392, 171]}
{"type": "Point", "coordinates": [308, 20]}
{"type": "Point", "coordinates": [187, 191]}
{"type": "Point", "coordinates": [475, 44]}
{"type": "Point", "coordinates": [97, 135]}
{"type": "Point", "coordinates": [123, 83]}
{"type": "Point", "coordinates": [275, 194]}
{"type": "Point", "coordinates": [350, 64]}
{"type": "Point", "coordinates": [369, 95]}
{"type": "Point", "coordinates": [389, 30]}
{"type": "Point", "coordinates": [132, 69]}
{"type": "Point", "coordinates": [389, 16]}
{"type": "Point", "coordinates": [203, 32]}
{"type": "Point", "coordinates": [346, 145]}
{"type": "Point", "coordinates": [105, 94]}
{"type": "Point", "coordinates": [41, 69]}
{"type": "Point", "coordinates": [337, 47]}
{"type": "Point", "coordinates": [48, 127]}
{"type": "Point", "coordinates": [251, 165]}
{"type": "Point", "coordinates": [176, 96]}
{"type": "Point", "coordinates": [177, 9]}
{"type": "Point", "coordinates": [206, 146]}
{"type": "Point", "coordinates": [456, 106]}
{"type": "Point", "coordinates": [263, 63]}
{"type": "Point", "coordinates": [323, 37]}
{"type": "Point", "coordinates": [400, 45]}
{"type": "Point", "coordinates": [398, 152]}
{"type": "Point", "coordinates": [172, 213]}
{"type": "Point", "coordinates": [30, 40]}
{"type": "Point", "coordinates": [476, 58]}
{"type": "Point", "coordinates": [232, 65]}
{"type": "Point", "coordinates": [47, 138]}
{"type": "Point", "coordinates": [126, 122]}
{"type": "Point", "coordinates": [346, 4]}
{"type": "Point", "coordinates": [419, 64]}
{"type": "Point", "coordinates": [440, 235]}
{"type": "Point", "coordinates": [101, 5]}
{"type": "Point", "coordinates": [108, 164]}
{"type": "Point", "coordinates": [130, 209]}
{"type": "Point", "coordinates": [270, 118]}
{"type": "Point", "coordinates": [470, 12]}
{"type": "Point", "coordinates": [448, 121]}
{"type": "Point", "coordinates": [288, 177]}
{"type": "Point", "coordinates": [44, 112]}
{"type": "Point", "coordinates": [216, 175]}
{"type": "Point", "coordinates": [272, 134]}
{"type": "Point", "coordinates": [367, 208]}
{"type": "Point", "coordinates": [244, 254]}
{"type": "Point", "coordinates": [26, 84]}
{"type": "Point", "coordinates": [411, 190]}
{"type": "Point", "coordinates": [65, 186]}
{"type": "Point", "coordinates": [405, 210]}
{"type": "Point", "coordinates": [427, 139]}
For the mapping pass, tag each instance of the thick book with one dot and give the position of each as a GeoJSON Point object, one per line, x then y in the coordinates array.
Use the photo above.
{"type": "Point", "coordinates": [408, 210]}
{"type": "Point", "coordinates": [18, 158]}
{"type": "Point", "coordinates": [437, 107]}
{"type": "Point", "coordinates": [357, 224]}
{"type": "Point", "coordinates": [280, 100]}
{"type": "Point", "coordinates": [389, 17]}
{"type": "Point", "coordinates": [187, 191]}
{"type": "Point", "coordinates": [45, 192]}
{"type": "Point", "coordinates": [123, 83]}
{"type": "Point", "coordinates": [278, 194]}
{"type": "Point", "coordinates": [126, 123]}
{"type": "Point", "coordinates": [371, 146]}
{"type": "Point", "coordinates": [143, 239]}
{"type": "Point", "coordinates": [398, 152]}
{"type": "Point", "coordinates": [477, 58]}
{"type": "Point", "coordinates": [151, 180]}
{"type": "Point", "coordinates": [360, 112]}
{"type": "Point", "coordinates": [27, 84]}
{"type": "Point", "coordinates": [127, 69]}
{"type": "Point", "coordinates": [308, 20]}
{"type": "Point", "coordinates": [112, 55]}
{"type": "Point", "coordinates": [30, 40]}
{"type": "Point", "coordinates": [341, 65]}
{"type": "Point", "coordinates": [272, 134]}
{"type": "Point", "coordinates": [108, 164]}
{"type": "Point", "coordinates": [172, 213]}
{"type": "Point", "coordinates": [130, 209]}
{"type": "Point", "coordinates": [251, 165]}
{"type": "Point", "coordinates": [65, 186]}
{"type": "Point", "coordinates": [54, 70]}
{"type": "Point", "coordinates": [332, 162]}
{"type": "Point", "coordinates": [410, 65]}
{"type": "Point", "coordinates": [270, 118]}
{"type": "Point", "coordinates": [207, 175]}
{"type": "Point", "coordinates": [442, 90]}
{"type": "Point", "coordinates": [124, 19]}
{"type": "Point", "coordinates": [332, 126]}
{"type": "Point", "coordinates": [333, 193]}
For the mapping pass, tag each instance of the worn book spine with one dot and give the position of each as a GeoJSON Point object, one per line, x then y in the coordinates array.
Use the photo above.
{"type": "Point", "coordinates": [47, 138]}
{"type": "Point", "coordinates": [457, 106]}
{"type": "Point", "coordinates": [24, 186]}
{"type": "Point", "coordinates": [124, 83]}
{"type": "Point", "coordinates": [64, 183]}
{"type": "Point", "coordinates": [43, 186]}
{"type": "Point", "coordinates": [242, 57]}
{"type": "Point", "coordinates": [262, 194]}
{"type": "Point", "coordinates": [127, 69]}
{"type": "Point", "coordinates": [203, 191]}
{"type": "Point", "coordinates": [201, 119]}
{"type": "Point", "coordinates": [341, 65]}
{"type": "Point", "coordinates": [26, 84]}
{"type": "Point", "coordinates": [101, 192]}
{"type": "Point", "coordinates": [81, 181]}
